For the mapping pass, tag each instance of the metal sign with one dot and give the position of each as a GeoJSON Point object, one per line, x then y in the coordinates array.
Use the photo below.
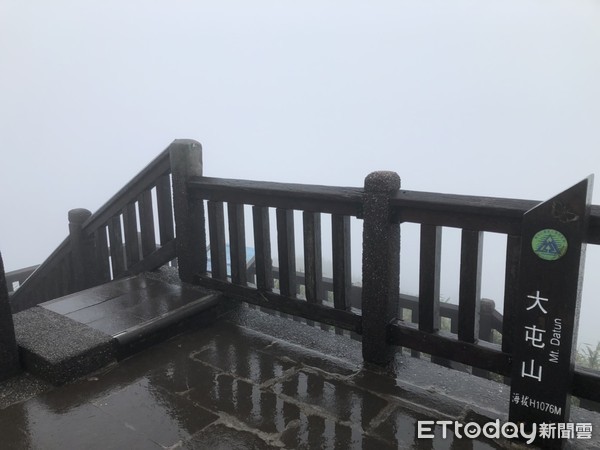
{"type": "Point", "coordinates": [547, 308]}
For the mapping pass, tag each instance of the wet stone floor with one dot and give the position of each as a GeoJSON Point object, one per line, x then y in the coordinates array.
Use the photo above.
{"type": "Point", "coordinates": [223, 387]}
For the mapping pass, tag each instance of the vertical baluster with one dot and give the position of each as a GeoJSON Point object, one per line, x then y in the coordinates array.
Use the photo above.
{"type": "Point", "coordinates": [55, 280]}
{"type": "Point", "coordinates": [115, 237]}
{"type": "Point", "coordinates": [342, 277]}
{"type": "Point", "coordinates": [429, 278]}
{"type": "Point", "coordinates": [147, 223]}
{"type": "Point", "coordinates": [286, 252]}
{"type": "Point", "coordinates": [470, 285]}
{"type": "Point", "coordinates": [103, 266]}
{"type": "Point", "coordinates": [237, 243]}
{"type": "Point", "coordinates": [262, 242]}
{"type": "Point", "coordinates": [216, 230]}
{"type": "Point", "coordinates": [164, 205]}
{"type": "Point", "coordinates": [511, 290]}
{"type": "Point", "coordinates": [414, 318]}
{"type": "Point", "coordinates": [313, 264]}
{"type": "Point", "coordinates": [64, 270]}
{"type": "Point", "coordinates": [132, 247]}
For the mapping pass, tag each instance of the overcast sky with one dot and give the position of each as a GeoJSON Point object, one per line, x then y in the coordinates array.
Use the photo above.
{"type": "Point", "coordinates": [497, 98]}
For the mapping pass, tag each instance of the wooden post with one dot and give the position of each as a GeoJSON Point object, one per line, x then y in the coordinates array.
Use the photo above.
{"type": "Point", "coordinates": [186, 162]}
{"type": "Point", "coordinates": [380, 267]}
{"type": "Point", "coordinates": [546, 314]}
{"type": "Point", "coordinates": [82, 252]}
{"type": "Point", "coordinates": [9, 353]}
{"type": "Point", "coordinates": [470, 285]}
{"type": "Point", "coordinates": [313, 264]}
{"type": "Point", "coordinates": [429, 278]}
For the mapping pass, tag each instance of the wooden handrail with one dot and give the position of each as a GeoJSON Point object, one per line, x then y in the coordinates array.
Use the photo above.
{"type": "Point", "coordinates": [129, 193]}
{"type": "Point", "coordinates": [473, 214]}
{"type": "Point", "coordinates": [496, 214]}
{"type": "Point", "coordinates": [380, 203]}
{"type": "Point", "coordinates": [22, 298]}
{"type": "Point", "coordinates": [327, 199]}
{"type": "Point", "coordinates": [84, 261]}
{"type": "Point", "coordinates": [19, 276]}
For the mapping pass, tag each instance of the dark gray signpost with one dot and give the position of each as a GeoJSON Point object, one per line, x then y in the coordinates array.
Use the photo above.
{"type": "Point", "coordinates": [547, 313]}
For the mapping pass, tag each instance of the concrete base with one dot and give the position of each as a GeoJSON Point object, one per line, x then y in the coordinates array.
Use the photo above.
{"type": "Point", "coordinates": [71, 336]}
{"type": "Point", "coordinates": [58, 349]}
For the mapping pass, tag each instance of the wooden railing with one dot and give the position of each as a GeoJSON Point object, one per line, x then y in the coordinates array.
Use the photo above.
{"type": "Point", "coordinates": [16, 278]}
{"type": "Point", "coordinates": [474, 215]}
{"type": "Point", "coordinates": [119, 239]}
{"type": "Point", "coordinates": [341, 203]}
{"type": "Point", "coordinates": [490, 319]}
{"type": "Point", "coordinates": [382, 207]}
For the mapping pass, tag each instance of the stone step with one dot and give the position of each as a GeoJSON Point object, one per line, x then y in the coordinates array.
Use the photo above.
{"type": "Point", "coordinates": [58, 349]}
{"type": "Point", "coordinates": [71, 336]}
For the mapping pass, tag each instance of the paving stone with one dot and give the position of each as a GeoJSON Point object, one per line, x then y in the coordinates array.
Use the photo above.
{"type": "Point", "coordinates": [206, 390]}
{"type": "Point", "coordinates": [312, 358]}
{"type": "Point", "coordinates": [163, 366]}
{"type": "Point", "coordinates": [164, 417]}
{"type": "Point", "coordinates": [184, 375]}
{"type": "Point", "coordinates": [247, 403]}
{"type": "Point", "coordinates": [339, 399]}
{"type": "Point", "coordinates": [81, 427]}
{"type": "Point", "coordinates": [401, 428]}
{"type": "Point", "coordinates": [314, 432]}
{"type": "Point", "coordinates": [395, 387]}
{"type": "Point", "coordinates": [12, 425]}
{"type": "Point", "coordinates": [221, 437]}
{"type": "Point", "coordinates": [238, 354]}
{"type": "Point", "coordinates": [300, 334]}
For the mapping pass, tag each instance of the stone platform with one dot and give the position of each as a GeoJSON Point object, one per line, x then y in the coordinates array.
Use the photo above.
{"type": "Point", "coordinates": [235, 385]}
{"type": "Point", "coordinates": [238, 378]}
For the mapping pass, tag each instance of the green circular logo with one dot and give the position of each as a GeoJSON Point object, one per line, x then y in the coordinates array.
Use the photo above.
{"type": "Point", "coordinates": [549, 244]}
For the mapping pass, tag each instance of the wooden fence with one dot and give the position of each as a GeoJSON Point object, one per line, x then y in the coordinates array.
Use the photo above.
{"type": "Point", "coordinates": [382, 206]}
{"type": "Point", "coordinates": [131, 233]}
{"type": "Point", "coordinates": [16, 278]}
{"type": "Point", "coordinates": [120, 239]}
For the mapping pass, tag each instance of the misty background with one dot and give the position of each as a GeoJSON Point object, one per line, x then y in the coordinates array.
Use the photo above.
{"type": "Point", "coordinates": [497, 98]}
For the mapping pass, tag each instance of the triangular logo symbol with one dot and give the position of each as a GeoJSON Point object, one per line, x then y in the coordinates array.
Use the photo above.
{"type": "Point", "coordinates": [549, 246]}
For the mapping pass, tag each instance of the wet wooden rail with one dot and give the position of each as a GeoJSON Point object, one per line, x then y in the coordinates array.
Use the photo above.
{"type": "Point", "coordinates": [135, 231]}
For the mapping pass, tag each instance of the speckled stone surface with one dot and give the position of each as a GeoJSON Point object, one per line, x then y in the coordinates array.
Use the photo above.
{"type": "Point", "coordinates": [381, 266]}
{"type": "Point", "coordinates": [58, 349]}
{"type": "Point", "coordinates": [20, 388]}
